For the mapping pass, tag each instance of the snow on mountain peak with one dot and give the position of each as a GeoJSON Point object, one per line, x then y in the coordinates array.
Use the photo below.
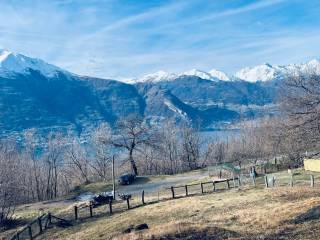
{"type": "Point", "coordinates": [313, 65]}
{"type": "Point", "coordinates": [18, 63]}
{"type": "Point", "coordinates": [262, 72]}
{"type": "Point", "coordinates": [3, 54]}
{"type": "Point", "coordinates": [198, 73]}
{"type": "Point", "coordinates": [220, 75]}
{"type": "Point", "coordinates": [157, 77]}
{"type": "Point", "coordinates": [166, 76]}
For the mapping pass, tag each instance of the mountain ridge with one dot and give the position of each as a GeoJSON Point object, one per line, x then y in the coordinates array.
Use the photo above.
{"type": "Point", "coordinates": [39, 95]}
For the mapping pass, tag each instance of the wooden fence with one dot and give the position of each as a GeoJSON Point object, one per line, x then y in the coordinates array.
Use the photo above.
{"type": "Point", "coordinates": [79, 213]}
{"type": "Point", "coordinates": [38, 226]}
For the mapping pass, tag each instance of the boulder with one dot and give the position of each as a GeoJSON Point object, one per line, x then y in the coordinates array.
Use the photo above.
{"type": "Point", "coordinates": [142, 226]}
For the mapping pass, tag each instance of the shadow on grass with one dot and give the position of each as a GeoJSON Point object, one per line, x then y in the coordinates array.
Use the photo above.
{"type": "Point", "coordinates": [214, 233]}
{"type": "Point", "coordinates": [141, 180]}
{"type": "Point", "coordinates": [311, 214]}
{"type": "Point", "coordinates": [184, 231]}
{"type": "Point", "coordinates": [12, 224]}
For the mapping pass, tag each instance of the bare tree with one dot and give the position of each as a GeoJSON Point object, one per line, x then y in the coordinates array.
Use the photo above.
{"type": "Point", "coordinates": [78, 160]}
{"type": "Point", "coordinates": [32, 146]}
{"type": "Point", "coordinates": [102, 141]}
{"type": "Point", "coordinates": [190, 147]}
{"type": "Point", "coordinates": [169, 145]}
{"type": "Point", "coordinates": [300, 102]}
{"type": "Point", "coordinates": [53, 160]}
{"type": "Point", "coordinates": [131, 135]}
{"type": "Point", "coordinates": [11, 184]}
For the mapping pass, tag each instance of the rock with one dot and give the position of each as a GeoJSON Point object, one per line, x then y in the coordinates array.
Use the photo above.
{"type": "Point", "coordinates": [128, 230]}
{"type": "Point", "coordinates": [141, 227]}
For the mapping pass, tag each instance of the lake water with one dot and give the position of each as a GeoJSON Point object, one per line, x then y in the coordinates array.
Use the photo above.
{"type": "Point", "coordinates": [220, 134]}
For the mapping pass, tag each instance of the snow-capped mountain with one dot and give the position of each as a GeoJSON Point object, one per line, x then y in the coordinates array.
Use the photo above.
{"type": "Point", "coordinates": [262, 72]}
{"type": "Point", "coordinates": [219, 75]}
{"type": "Point", "coordinates": [17, 63]}
{"type": "Point", "coordinates": [213, 75]}
{"type": "Point", "coordinates": [199, 73]}
{"type": "Point", "coordinates": [48, 97]}
{"type": "Point", "coordinates": [312, 66]}
{"type": "Point", "coordinates": [266, 72]}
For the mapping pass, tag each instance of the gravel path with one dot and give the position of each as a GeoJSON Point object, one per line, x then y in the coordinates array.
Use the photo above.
{"type": "Point", "coordinates": [153, 186]}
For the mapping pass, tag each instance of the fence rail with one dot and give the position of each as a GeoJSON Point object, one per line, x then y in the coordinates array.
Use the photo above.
{"type": "Point", "coordinates": [79, 213]}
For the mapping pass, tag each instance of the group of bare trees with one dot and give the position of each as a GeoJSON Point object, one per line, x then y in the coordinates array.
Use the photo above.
{"type": "Point", "coordinates": [171, 149]}
{"type": "Point", "coordinates": [300, 104]}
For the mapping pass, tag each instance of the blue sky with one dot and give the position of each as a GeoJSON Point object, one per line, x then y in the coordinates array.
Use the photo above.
{"type": "Point", "coordinates": [129, 38]}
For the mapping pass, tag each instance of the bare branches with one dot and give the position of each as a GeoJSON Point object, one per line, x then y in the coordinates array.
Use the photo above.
{"type": "Point", "coordinates": [132, 134]}
{"type": "Point", "coordinates": [300, 102]}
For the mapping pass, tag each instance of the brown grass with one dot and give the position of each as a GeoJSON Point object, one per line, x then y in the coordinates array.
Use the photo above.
{"type": "Point", "coordinates": [236, 214]}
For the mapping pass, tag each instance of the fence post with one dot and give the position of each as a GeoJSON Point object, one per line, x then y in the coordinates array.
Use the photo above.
{"type": "Point", "coordinates": [30, 232]}
{"type": "Point", "coordinates": [214, 186]}
{"type": "Point", "coordinates": [172, 191]}
{"type": "Point", "coordinates": [266, 181]}
{"type": "Point", "coordinates": [291, 180]}
{"type": "Point", "coordinates": [186, 187]}
{"type": "Point", "coordinates": [128, 203]}
{"type": "Point", "coordinates": [90, 209]}
{"type": "Point", "coordinates": [110, 207]}
{"type": "Point", "coordinates": [40, 224]}
{"type": "Point", "coordinates": [201, 188]}
{"type": "Point", "coordinates": [228, 185]}
{"type": "Point", "coordinates": [142, 197]}
{"type": "Point", "coordinates": [312, 181]}
{"type": "Point", "coordinates": [254, 180]}
{"type": "Point", "coordinates": [273, 181]}
{"type": "Point", "coordinates": [76, 212]}
{"type": "Point", "coordinates": [49, 218]}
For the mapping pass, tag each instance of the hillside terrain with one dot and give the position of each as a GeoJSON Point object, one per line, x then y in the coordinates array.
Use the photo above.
{"type": "Point", "coordinates": [245, 212]}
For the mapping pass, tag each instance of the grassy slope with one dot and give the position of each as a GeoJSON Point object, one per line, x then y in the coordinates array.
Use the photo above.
{"type": "Point", "coordinates": [248, 213]}
{"type": "Point", "coordinates": [236, 214]}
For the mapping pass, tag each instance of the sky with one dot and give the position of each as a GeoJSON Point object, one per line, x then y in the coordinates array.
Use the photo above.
{"type": "Point", "coordinates": [129, 38]}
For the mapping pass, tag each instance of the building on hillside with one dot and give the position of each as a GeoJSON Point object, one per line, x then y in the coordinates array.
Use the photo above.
{"type": "Point", "coordinates": [311, 164]}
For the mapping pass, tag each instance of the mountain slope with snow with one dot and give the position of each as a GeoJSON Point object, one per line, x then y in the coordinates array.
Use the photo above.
{"type": "Point", "coordinates": [199, 73]}
{"type": "Point", "coordinates": [213, 75]}
{"type": "Point", "coordinates": [267, 72]}
{"type": "Point", "coordinates": [18, 63]}
{"type": "Point", "coordinates": [36, 94]}
{"type": "Point", "coordinates": [219, 75]}
{"type": "Point", "coordinates": [263, 72]}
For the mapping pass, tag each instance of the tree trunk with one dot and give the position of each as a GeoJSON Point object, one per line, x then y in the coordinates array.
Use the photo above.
{"type": "Point", "coordinates": [133, 164]}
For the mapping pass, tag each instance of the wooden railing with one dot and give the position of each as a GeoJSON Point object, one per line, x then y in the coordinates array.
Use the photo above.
{"type": "Point", "coordinates": [40, 224]}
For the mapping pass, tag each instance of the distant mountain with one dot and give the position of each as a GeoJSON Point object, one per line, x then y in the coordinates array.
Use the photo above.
{"type": "Point", "coordinates": [213, 75]}
{"type": "Point", "coordinates": [263, 72]}
{"type": "Point", "coordinates": [39, 95]}
{"type": "Point", "coordinates": [18, 63]}
{"type": "Point", "coordinates": [219, 75]}
{"type": "Point", "coordinates": [35, 94]}
{"type": "Point", "coordinates": [267, 72]}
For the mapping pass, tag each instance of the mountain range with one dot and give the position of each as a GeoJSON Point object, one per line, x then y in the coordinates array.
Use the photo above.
{"type": "Point", "coordinates": [35, 94]}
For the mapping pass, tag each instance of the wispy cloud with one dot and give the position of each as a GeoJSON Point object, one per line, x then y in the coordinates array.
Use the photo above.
{"type": "Point", "coordinates": [109, 38]}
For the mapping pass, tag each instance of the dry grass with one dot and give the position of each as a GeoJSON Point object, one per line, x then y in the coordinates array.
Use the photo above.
{"type": "Point", "coordinates": [236, 214]}
{"type": "Point", "coordinates": [249, 213]}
